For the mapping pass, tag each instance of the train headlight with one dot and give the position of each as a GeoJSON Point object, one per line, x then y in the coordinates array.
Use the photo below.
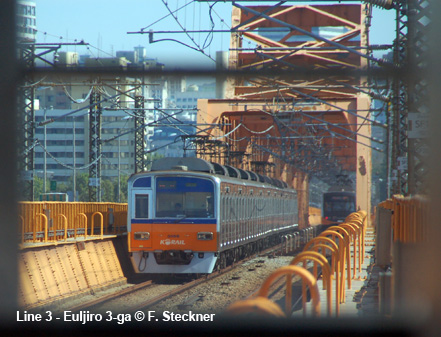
{"type": "Point", "coordinates": [205, 236]}
{"type": "Point", "coordinates": [142, 235]}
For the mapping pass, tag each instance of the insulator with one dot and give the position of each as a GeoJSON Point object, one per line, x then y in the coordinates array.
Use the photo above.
{"type": "Point", "coordinates": [386, 4]}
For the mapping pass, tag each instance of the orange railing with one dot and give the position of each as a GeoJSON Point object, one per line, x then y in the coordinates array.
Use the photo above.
{"type": "Point", "coordinates": [59, 221]}
{"type": "Point", "coordinates": [402, 229]}
{"type": "Point", "coordinates": [409, 218]}
{"type": "Point", "coordinates": [338, 240]}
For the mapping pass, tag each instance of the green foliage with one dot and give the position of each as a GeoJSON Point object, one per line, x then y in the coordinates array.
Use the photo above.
{"type": "Point", "coordinates": [38, 187]}
{"type": "Point", "coordinates": [109, 188]}
{"type": "Point", "coordinates": [123, 189]}
{"type": "Point", "coordinates": [110, 191]}
{"type": "Point", "coordinates": [82, 183]}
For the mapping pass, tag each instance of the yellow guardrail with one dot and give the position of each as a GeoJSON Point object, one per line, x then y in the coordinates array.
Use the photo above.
{"type": "Point", "coordinates": [316, 258]}
{"type": "Point", "coordinates": [64, 226]}
{"type": "Point", "coordinates": [343, 249]}
{"type": "Point", "coordinates": [409, 219]}
{"type": "Point", "coordinates": [402, 229]}
{"type": "Point", "coordinates": [34, 233]}
{"type": "Point", "coordinates": [324, 244]}
{"type": "Point", "coordinates": [338, 240]}
{"type": "Point", "coordinates": [59, 221]}
{"type": "Point", "coordinates": [81, 216]}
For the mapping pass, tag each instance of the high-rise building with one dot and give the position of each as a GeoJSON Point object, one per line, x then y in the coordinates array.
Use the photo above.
{"type": "Point", "coordinates": [64, 143]}
{"type": "Point", "coordinates": [26, 21]}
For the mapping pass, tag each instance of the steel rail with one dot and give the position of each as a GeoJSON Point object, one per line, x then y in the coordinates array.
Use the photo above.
{"type": "Point", "coordinates": [112, 296]}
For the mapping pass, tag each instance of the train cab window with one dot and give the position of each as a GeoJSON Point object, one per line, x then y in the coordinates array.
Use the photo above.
{"type": "Point", "coordinates": [195, 197]}
{"type": "Point", "coordinates": [141, 206]}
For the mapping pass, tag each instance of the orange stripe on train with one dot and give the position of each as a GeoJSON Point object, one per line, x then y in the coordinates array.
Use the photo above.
{"type": "Point", "coordinates": [174, 236]}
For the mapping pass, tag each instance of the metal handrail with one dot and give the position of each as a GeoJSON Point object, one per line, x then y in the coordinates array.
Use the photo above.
{"type": "Point", "coordinates": [343, 257]}
{"type": "Point", "coordinates": [306, 277]}
{"type": "Point", "coordinates": [92, 232]}
{"type": "Point", "coordinates": [65, 226]}
{"type": "Point", "coordinates": [317, 258]}
{"type": "Point", "coordinates": [84, 216]}
{"type": "Point", "coordinates": [335, 254]}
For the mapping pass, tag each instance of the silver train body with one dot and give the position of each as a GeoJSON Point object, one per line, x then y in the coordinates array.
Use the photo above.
{"type": "Point", "coordinates": [188, 215]}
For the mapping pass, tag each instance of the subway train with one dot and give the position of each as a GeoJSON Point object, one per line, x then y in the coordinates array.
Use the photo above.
{"type": "Point", "coordinates": [337, 205]}
{"type": "Point", "coordinates": [191, 216]}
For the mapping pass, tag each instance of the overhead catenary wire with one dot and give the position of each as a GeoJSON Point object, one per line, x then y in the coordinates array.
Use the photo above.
{"type": "Point", "coordinates": [79, 100]}
{"type": "Point", "coordinates": [197, 46]}
{"type": "Point", "coordinates": [364, 120]}
{"type": "Point", "coordinates": [53, 119]}
{"type": "Point", "coordinates": [37, 143]}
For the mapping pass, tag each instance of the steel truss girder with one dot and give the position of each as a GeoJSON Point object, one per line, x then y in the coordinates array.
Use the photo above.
{"type": "Point", "coordinates": [399, 118]}
{"type": "Point", "coordinates": [286, 90]}
{"type": "Point", "coordinates": [216, 150]}
{"type": "Point", "coordinates": [305, 32]}
{"type": "Point", "coordinates": [419, 16]}
{"type": "Point", "coordinates": [410, 95]}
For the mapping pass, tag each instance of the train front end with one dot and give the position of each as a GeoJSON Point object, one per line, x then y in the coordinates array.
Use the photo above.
{"type": "Point", "coordinates": [172, 224]}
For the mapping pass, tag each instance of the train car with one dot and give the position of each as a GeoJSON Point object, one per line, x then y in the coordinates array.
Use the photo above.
{"type": "Point", "coordinates": [187, 215]}
{"type": "Point", "coordinates": [337, 206]}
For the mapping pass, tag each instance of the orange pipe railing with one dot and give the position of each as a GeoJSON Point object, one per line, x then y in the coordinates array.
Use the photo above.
{"type": "Point", "coordinates": [92, 229]}
{"type": "Point", "coordinates": [64, 225]}
{"type": "Point", "coordinates": [316, 258]}
{"type": "Point", "coordinates": [344, 253]}
{"type": "Point", "coordinates": [32, 231]}
{"type": "Point", "coordinates": [352, 230]}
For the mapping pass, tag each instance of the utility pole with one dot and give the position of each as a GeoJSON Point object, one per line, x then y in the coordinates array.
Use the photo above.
{"type": "Point", "coordinates": [95, 146]}
{"type": "Point", "coordinates": [74, 163]}
{"type": "Point", "coordinates": [26, 125]}
{"type": "Point", "coordinates": [119, 169]}
{"type": "Point", "coordinates": [139, 134]}
{"type": "Point", "coordinates": [45, 156]}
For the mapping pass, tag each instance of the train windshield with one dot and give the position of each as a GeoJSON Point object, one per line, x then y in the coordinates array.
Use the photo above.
{"type": "Point", "coordinates": [184, 197]}
{"type": "Point", "coordinates": [336, 203]}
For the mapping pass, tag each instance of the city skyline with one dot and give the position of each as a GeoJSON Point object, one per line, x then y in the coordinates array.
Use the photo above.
{"type": "Point", "coordinates": [94, 22]}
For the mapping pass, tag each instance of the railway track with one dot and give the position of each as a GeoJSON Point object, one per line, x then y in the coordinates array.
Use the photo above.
{"type": "Point", "coordinates": [168, 291]}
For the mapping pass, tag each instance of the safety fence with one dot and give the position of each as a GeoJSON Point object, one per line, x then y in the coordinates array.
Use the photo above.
{"type": "Point", "coordinates": [402, 229]}
{"type": "Point", "coordinates": [339, 241]}
{"type": "Point", "coordinates": [292, 242]}
{"type": "Point", "coordinates": [61, 221]}
{"type": "Point", "coordinates": [409, 218]}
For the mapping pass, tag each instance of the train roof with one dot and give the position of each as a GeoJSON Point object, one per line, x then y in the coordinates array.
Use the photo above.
{"type": "Point", "coordinates": [200, 165]}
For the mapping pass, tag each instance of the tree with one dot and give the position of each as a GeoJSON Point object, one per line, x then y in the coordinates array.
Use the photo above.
{"type": "Point", "coordinates": [107, 190]}
{"type": "Point", "coordinates": [38, 187]}
{"type": "Point", "coordinates": [123, 188]}
{"type": "Point", "coordinates": [82, 183]}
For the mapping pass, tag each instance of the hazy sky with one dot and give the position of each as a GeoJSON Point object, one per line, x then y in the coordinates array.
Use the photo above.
{"type": "Point", "coordinates": [105, 23]}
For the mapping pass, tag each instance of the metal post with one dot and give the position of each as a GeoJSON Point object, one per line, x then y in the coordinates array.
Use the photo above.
{"type": "Point", "coordinates": [418, 12]}
{"type": "Point", "coordinates": [26, 124]}
{"type": "Point", "coordinates": [119, 169]}
{"type": "Point", "coordinates": [139, 134]}
{"type": "Point", "coordinates": [74, 163]}
{"type": "Point", "coordinates": [45, 156]}
{"type": "Point", "coordinates": [95, 146]}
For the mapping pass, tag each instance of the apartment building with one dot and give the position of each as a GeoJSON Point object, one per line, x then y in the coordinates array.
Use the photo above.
{"type": "Point", "coordinates": [63, 145]}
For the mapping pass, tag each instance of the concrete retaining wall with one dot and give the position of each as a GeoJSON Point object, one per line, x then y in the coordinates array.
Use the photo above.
{"type": "Point", "coordinates": [52, 273]}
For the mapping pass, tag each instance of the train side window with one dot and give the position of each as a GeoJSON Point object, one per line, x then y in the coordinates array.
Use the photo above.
{"type": "Point", "coordinates": [141, 206]}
